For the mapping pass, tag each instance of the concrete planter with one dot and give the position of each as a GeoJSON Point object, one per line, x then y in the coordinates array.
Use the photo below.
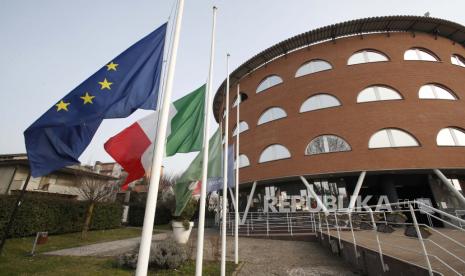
{"type": "Point", "coordinates": [180, 234]}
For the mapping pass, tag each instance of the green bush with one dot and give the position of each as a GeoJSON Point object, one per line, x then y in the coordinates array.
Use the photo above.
{"type": "Point", "coordinates": [168, 254]}
{"type": "Point", "coordinates": [137, 211]}
{"type": "Point", "coordinates": [55, 215]}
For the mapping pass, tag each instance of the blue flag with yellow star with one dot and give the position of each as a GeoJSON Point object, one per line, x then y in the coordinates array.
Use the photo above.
{"type": "Point", "coordinates": [128, 82]}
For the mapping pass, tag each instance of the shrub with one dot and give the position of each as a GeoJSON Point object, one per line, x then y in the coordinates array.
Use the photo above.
{"type": "Point", "coordinates": [167, 254]}
{"type": "Point", "coordinates": [55, 215]}
{"type": "Point", "coordinates": [128, 260]}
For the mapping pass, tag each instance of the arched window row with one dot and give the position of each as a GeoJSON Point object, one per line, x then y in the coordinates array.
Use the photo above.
{"type": "Point", "coordinates": [359, 57]}
{"type": "Point", "coordinates": [384, 138]}
{"type": "Point", "coordinates": [370, 94]}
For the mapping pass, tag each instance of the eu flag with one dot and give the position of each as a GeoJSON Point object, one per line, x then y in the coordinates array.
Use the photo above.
{"type": "Point", "coordinates": [128, 82]}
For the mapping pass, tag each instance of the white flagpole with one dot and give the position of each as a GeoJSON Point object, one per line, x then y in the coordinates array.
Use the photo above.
{"type": "Point", "coordinates": [206, 136]}
{"type": "Point", "coordinates": [149, 217]}
{"type": "Point", "coordinates": [225, 173]}
{"type": "Point", "coordinates": [236, 210]}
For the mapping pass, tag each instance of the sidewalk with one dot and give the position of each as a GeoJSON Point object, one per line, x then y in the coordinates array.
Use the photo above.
{"type": "Point", "coordinates": [106, 249]}
{"type": "Point", "coordinates": [258, 257]}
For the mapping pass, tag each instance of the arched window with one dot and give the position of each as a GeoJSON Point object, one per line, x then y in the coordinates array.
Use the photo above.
{"type": "Point", "coordinates": [378, 93]}
{"type": "Point", "coordinates": [420, 54]}
{"type": "Point", "coordinates": [274, 152]}
{"type": "Point", "coordinates": [243, 98]}
{"type": "Point", "coordinates": [366, 56]}
{"type": "Point", "coordinates": [271, 114]}
{"type": "Point", "coordinates": [327, 143]}
{"type": "Point", "coordinates": [243, 126]}
{"type": "Point", "coordinates": [451, 136]}
{"type": "Point", "coordinates": [269, 82]}
{"type": "Point", "coordinates": [243, 161]}
{"type": "Point", "coordinates": [392, 138]}
{"type": "Point", "coordinates": [436, 92]}
{"type": "Point", "coordinates": [319, 101]}
{"type": "Point", "coordinates": [457, 60]}
{"type": "Point", "coordinates": [313, 66]}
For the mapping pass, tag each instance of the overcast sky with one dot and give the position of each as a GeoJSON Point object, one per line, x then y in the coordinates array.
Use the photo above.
{"type": "Point", "coordinates": [48, 47]}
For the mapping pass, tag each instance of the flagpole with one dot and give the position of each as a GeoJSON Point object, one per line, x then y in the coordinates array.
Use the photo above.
{"type": "Point", "coordinates": [236, 210]}
{"type": "Point", "coordinates": [225, 173]}
{"type": "Point", "coordinates": [203, 189]}
{"type": "Point", "coordinates": [147, 230]}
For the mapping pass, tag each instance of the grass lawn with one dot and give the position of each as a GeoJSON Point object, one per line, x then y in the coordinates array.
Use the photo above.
{"type": "Point", "coordinates": [14, 259]}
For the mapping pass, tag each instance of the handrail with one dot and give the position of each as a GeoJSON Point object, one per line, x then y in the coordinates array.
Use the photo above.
{"type": "Point", "coordinates": [452, 254]}
{"type": "Point", "coordinates": [313, 221]}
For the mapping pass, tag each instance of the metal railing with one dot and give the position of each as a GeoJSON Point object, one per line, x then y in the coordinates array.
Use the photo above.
{"type": "Point", "coordinates": [334, 223]}
{"type": "Point", "coordinates": [274, 224]}
{"type": "Point", "coordinates": [367, 219]}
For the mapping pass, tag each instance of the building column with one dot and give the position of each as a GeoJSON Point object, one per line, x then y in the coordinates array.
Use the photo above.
{"type": "Point", "coordinates": [451, 187]}
{"type": "Point", "coordinates": [358, 186]}
{"type": "Point", "coordinates": [388, 188]}
{"type": "Point", "coordinates": [249, 202]}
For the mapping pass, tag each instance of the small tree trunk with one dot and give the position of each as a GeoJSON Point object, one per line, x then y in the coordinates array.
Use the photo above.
{"type": "Point", "coordinates": [86, 226]}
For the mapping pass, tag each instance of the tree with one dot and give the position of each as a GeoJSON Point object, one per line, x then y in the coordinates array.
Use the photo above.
{"type": "Point", "coordinates": [93, 190]}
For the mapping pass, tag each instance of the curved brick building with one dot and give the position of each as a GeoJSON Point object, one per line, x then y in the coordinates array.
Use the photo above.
{"type": "Point", "coordinates": [380, 95]}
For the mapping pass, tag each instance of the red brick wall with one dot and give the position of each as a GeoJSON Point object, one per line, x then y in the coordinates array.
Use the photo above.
{"type": "Point", "coordinates": [355, 122]}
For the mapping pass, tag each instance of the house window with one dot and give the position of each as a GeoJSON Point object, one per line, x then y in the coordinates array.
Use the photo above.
{"type": "Point", "coordinates": [436, 92]}
{"type": "Point", "coordinates": [457, 60]}
{"type": "Point", "coordinates": [367, 56]}
{"type": "Point", "coordinates": [451, 136]}
{"type": "Point", "coordinates": [269, 82]}
{"type": "Point", "coordinates": [378, 93]}
{"type": "Point", "coordinates": [243, 126]}
{"type": "Point", "coordinates": [243, 161]}
{"type": "Point", "coordinates": [326, 144]}
{"type": "Point", "coordinates": [313, 66]}
{"type": "Point", "coordinates": [319, 101]}
{"type": "Point", "coordinates": [391, 138]}
{"type": "Point", "coordinates": [274, 152]}
{"type": "Point", "coordinates": [271, 114]}
{"type": "Point", "coordinates": [242, 98]}
{"type": "Point", "coordinates": [420, 54]}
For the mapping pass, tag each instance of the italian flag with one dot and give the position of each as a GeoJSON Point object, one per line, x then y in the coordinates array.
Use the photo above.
{"type": "Point", "coordinates": [133, 147]}
{"type": "Point", "coordinates": [189, 183]}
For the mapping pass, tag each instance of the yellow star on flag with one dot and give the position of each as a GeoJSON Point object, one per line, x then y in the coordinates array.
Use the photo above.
{"type": "Point", "coordinates": [87, 98]}
{"type": "Point", "coordinates": [62, 106]}
{"type": "Point", "coordinates": [105, 84]}
{"type": "Point", "coordinates": [111, 66]}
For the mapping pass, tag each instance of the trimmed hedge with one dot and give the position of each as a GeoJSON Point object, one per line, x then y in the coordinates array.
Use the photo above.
{"type": "Point", "coordinates": [137, 211]}
{"type": "Point", "coordinates": [55, 215]}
